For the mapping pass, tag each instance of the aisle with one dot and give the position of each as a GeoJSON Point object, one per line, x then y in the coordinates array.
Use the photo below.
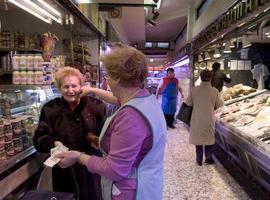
{"type": "Point", "coordinates": [184, 180]}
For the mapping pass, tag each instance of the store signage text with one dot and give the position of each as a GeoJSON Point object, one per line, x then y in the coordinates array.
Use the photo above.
{"type": "Point", "coordinates": [234, 14]}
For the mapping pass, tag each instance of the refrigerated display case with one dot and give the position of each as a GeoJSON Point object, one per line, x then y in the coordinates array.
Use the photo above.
{"type": "Point", "coordinates": [243, 132]}
{"type": "Point", "coordinates": [19, 113]}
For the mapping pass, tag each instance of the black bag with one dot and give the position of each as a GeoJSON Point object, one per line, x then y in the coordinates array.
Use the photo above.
{"type": "Point", "coordinates": [47, 195]}
{"type": "Point", "coordinates": [184, 113]}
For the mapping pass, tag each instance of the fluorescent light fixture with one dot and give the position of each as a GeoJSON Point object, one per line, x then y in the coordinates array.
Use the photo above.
{"type": "Point", "coordinates": [41, 10]}
{"type": "Point", "coordinates": [200, 59]}
{"type": "Point", "coordinates": [181, 63]}
{"type": "Point", "coordinates": [217, 53]}
{"type": "Point", "coordinates": [30, 11]}
{"type": "Point", "coordinates": [227, 48]}
{"type": "Point", "coordinates": [85, 1]}
{"type": "Point", "coordinates": [50, 8]}
{"type": "Point", "coordinates": [158, 3]}
{"type": "Point", "coordinates": [245, 42]}
{"type": "Point", "coordinates": [207, 56]}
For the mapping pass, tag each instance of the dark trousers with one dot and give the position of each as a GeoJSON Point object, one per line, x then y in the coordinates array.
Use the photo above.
{"type": "Point", "coordinates": [208, 152]}
{"type": "Point", "coordinates": [169, 120]}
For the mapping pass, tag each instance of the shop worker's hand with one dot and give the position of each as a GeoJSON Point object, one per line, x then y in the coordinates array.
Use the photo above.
{"type": "Point", "coordinates": [85, 90]}
{"type": "Point", "coordinates": [68, 158]}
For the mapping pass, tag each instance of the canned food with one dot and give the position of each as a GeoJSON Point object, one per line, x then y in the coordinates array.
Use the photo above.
{"type": "Point", "coordinates": [9, 147]}
{"type": "Point", "coordinates": [18, 144]}
{"type": "Point", "coordinates": [2, 154]}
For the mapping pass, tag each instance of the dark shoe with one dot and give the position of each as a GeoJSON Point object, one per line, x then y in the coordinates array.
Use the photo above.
{"type": "Point", "coordinates": [199, 163]}
{"type": "Point", "coordinates": [209, 161]}
{"type": "Point", "coordinates": [172, 126]}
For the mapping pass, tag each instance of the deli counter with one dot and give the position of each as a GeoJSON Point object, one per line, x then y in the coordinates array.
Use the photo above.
{"type": "Point", "coordinates": [243, 132]}
{"type": "Point", "coordinates": [19, 113]}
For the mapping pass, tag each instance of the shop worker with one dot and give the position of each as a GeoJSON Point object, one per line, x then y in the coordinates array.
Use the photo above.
{"type": "Point", "coordinates": [218, 77]}
{"type": "Point", "coordinates": [72, 121]}
{"type": "Point", "coordinates": [133, 138]}
{"type": "Point", "coordinates": [204, 99]}
{"type": "Point", "coordinates": [169, 87]}
{"type": "Point", "coordinates": [260, 75]}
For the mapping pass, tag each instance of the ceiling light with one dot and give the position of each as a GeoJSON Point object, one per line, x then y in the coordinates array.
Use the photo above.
{"type": "Point", "coordinates": [151, 22]}
{"type": "Point", "coordinates": [41, 10]}
{"type": "Point", "coordinates": [245, 42]}
{"type": "Point", "coordinates": [158, 3]}
{"type": "Point", "coordinates": [217, 53]}
{"type": "Point", "coordinates": [30, 11]}
{"type": "Point", "coordinates": [50, 8]}
{"type": "Point", "coordinates": [207, 56]}
{"type": "Point", "coordinates": [232, 44]}
{"type": "Point", "coordinates": [227, 48]}
{"type": "Point", "coordinates": [200, 59]}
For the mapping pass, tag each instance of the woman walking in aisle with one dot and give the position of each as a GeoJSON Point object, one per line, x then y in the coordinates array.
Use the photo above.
{"type": "Point", "coordinates": [204, 99]}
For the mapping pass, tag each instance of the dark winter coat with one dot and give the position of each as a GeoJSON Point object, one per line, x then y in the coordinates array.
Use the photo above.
{"type": "Point", "coordinates": [59, 123]}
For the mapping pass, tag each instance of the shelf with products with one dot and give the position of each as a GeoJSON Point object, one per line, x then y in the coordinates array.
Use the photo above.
{"type": "Point", "coordinates": [243, 132]}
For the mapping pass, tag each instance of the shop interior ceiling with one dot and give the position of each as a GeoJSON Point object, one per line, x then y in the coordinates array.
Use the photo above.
{"type": "Point", "coordinates": [171, 21]}
{"type": "Point", "coordinates": [77, 29]}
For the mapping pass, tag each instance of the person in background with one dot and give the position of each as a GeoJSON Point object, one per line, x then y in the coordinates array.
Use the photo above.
{"type": "Point", "coordinates": [169, 87]}
{"type": "Point", "coordinates": [133, 138]}
{"type": "Point", "coordinates": [218, 77]}
{"type": "Point", "coordinates": [104, 83]}
{"type": "Point", "coordinates": [71, 121]}
{"type": "Point", "coordinates": [260, 75]}
{"type": "Point", "coordinates": [204, 99]}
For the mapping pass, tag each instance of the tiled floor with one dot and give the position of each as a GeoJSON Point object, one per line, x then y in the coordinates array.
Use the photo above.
{"type": "Point", "coordinates": [185, 180]}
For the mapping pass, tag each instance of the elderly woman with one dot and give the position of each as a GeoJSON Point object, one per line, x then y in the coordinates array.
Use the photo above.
{"type": "Point", "coordinates": [204, 99]}
{"type": "Point", "coordinates": [133, 139]}
{"type": "Point", "coordinates": [71, 121]}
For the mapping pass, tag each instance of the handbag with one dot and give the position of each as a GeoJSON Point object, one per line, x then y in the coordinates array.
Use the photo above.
{"type": "Point", "coordinates": [43, 192]}
{"type": "Point", "coordinates": [184, 113]}
{"type": "Point", "coordinates": [47, 195]}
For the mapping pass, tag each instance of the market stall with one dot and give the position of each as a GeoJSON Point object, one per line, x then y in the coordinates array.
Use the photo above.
{"type": "Point", "coordinates": [238, 40]}
{"type": "Point", "coordinates": [37, 38]}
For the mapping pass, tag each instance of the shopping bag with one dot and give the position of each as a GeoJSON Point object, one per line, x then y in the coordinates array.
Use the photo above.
{"type": "Point", "coordinates": [184, 113]}
{"type": "Point", "coordinates": [47, 195]}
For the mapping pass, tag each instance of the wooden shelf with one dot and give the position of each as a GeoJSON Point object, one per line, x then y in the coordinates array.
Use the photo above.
{"type": "Point", "coordinates": [18, 49]}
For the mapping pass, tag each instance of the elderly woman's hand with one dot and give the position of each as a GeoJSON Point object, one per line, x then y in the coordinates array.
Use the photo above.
{"type": "Point", "coordinates": [68, 158]}
{"type": "Point", "coordinates": [93, 140]}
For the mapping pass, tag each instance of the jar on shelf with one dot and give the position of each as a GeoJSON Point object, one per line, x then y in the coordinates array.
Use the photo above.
{"type": "Point", "coordinates": [15, 62]}
{"type": "Point", "coordinates": [30, 77]}
{"type": "Point", "coordinates": [39, 78]}
{"type": "Point", "coordinates": [16, 77]}
{"type": "Point", "coordinates": [23, 62]}
{"type": "Point", "coordinates": [30, 62]}
{"type": "Point", "coordinates": [23, 78]}
{"type": "Point", "coordinates": [38, 62]}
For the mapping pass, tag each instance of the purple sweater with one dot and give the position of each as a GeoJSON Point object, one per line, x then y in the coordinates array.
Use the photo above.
{"type": "Point", "coordinates": [127, 140]}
